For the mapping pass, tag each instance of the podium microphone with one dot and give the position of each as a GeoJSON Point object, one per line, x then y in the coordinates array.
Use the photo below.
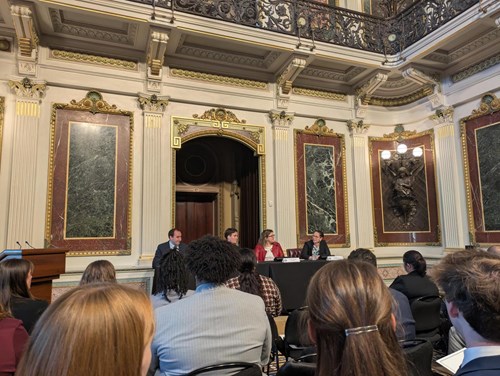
{"type": "Point", "coordinates": [29, 245]}
{"type": "Point", "coordinates": [19, 244]}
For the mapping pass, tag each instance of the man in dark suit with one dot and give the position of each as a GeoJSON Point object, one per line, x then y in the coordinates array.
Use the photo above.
{"type": "Point", "coordinates": [471, 284]}
{"type": "Point", "coordinates": [174, 243]}
{"type": "Point", "coordinates": [316, 247]}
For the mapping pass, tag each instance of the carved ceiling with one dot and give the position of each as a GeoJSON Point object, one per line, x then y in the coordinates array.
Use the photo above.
{"type": "Point", "coordinates": [125, 30]}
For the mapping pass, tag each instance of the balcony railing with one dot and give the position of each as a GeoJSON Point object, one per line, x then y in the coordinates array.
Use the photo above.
{"type": "Point", "coordinates": [319, 22]}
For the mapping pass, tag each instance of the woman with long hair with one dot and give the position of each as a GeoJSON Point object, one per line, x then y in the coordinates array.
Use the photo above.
{"type": "Point", "coordinates": [96, 329]}
{"type": "Point", "coordinates": [252, 282]}
{"type": "Point", "coordinates": [172, 283]}
{"type": "Point", "coordinates": [416, 283]}
{"type": "Point", "coordinates": [13, 339]}
{"type": "Point", "coordinates": [267, 248]}
{"type": "Point", "coordinates": [351, 322]}
{"type": "Point", "coordinates": [98, 272]}
{"type": "Point", "coordinates": [15, 295]}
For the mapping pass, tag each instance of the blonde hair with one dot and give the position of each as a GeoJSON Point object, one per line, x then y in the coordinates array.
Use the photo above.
{"type": "Point", "coordinates": [99, 329]}
{"type": "Point", "coordinates": [345, 295]}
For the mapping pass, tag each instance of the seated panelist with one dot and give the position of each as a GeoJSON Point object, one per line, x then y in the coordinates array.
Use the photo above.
{"type": "Point", "coordinates": [316, 247]}
{"type": "Point", "coordinates": [267, 248]}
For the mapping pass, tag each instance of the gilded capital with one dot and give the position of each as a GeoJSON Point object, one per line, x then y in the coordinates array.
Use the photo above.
{"type": "Point", "coordinates": [281, 119]}
{"type": "Point", "coordinates": [27, 88]}
{"type": "Point", "coordinates": [357, 127]}
{"type": "Point", "coordinates": [153, 103]}
{"type": "Point", "coordinates": [443, 115]}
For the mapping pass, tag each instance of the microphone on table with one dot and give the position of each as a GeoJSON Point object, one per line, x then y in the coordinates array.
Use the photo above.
{"type": "Point", "coordinates": [29, 245]}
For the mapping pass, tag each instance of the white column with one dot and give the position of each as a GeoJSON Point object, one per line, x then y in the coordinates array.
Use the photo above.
{"type": "Point", "coordinates": [284, 202]}
{"type": "Point", "coordinates": [447, 170]}
{"type": "Point", "coordinates": [363, 205]}
{"type": "Point", "coordinates": [24, 153]}
{"type": "Point", "coordinates": [153, 228]}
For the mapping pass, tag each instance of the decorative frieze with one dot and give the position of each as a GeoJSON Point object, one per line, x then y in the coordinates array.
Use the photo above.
{"type": "Point", "coordinates": [79, 57]}
{"type": "Point", "coordinates": [223, 80]}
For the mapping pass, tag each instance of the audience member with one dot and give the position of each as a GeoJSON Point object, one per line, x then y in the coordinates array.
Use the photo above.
{"type": "Point", "coordinates": [471, 284]}
{"type": "Point", "coordinates": [316, 247]}
{"type": "Point", "coordinates": [231, 235]}
{"type": "Point", "coordinates": [216, 324]}
{"type": "Point", "coordinates": [98, 272]}
{"type": "Point", "coordinates": [351, 322]}
{"type": "Point", "coordinates": [96, 329]}
{"type": "Point", "coordinates": [172, 280]}
{"type": "Point", "coordinates": [267, 249]}
{"type": "Point", "coordinates": [405, 329]}
{"type": "Point", "coordinates": [15, 295]}
{"type": "Point", "coordinates": [416, 283]}
{"type": "Point", "coordinates": [13, 339]}
{"type": "Point", "coordinates": [174, 243]}
{"type": "Point", "coordinates": [252, 282]}
{"type": "Point", "coordinates": [494, 250]}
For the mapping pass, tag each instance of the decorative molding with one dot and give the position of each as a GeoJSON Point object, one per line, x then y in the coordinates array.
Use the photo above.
{"type": "Point", "coordinates": [418, 77]}
{"type": "Point", "coordinates": [476, 68]}
{"type": "Point", "coordinates": [443, 115]}
{"type": "Point", "coordinates": [364, 92]}
{"type": "Point", "coordinates": [357, 127]}
{"type": "Point", "coordinates": [489, 103]}
{"type": "Point", "coordinates": [27, 37]}
{"type": "Point", "coordinates": [399, 133]}
{"type": "Point", "coordinates": [400, 101]}
{"type": "Point", "coordinates": [220, 114]}
{"type": "Point", "coordinates": [319, 128]}
{"type": "Point", "coordinates": [79, 57]}
{"type": "Point", "coordinates": [320, 94]}
{"type": "Point", "coordinates": [281, 119]}
{"type": "Point", "coordinates": [289, 74]}
{"type": "Point", "coordinates": [474, 45]}
{"type": "Point", "coordinates": [28, 88]}
{"type": "Point", "coordinates": [104, 34]}
{"type": "Point", "coordinates": [438, 57]}
{"type": "Point", "coordinates": [94, 103]}
{"type": "Point", "coordinates": [395, 83]}
{"type": "Point", "coordinates": [156, 53]}
{"type": "Point", "coordinates": [332, 75]}
{"type": "Point", "coordinates": [152, 103]}
{"type": "Point", "coordinates": [224, 80]}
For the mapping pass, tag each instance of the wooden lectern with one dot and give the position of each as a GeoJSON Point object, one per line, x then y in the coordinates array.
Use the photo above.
{"type": "Point", "coordinates": [49, 263]}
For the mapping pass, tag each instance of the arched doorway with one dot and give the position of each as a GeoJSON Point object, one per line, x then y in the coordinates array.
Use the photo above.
{"type": "Point", "coordinates": [217, 186]}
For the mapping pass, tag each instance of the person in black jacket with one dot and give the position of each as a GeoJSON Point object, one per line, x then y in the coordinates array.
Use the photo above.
{"type": "Point", "coordinates": [316, 247]}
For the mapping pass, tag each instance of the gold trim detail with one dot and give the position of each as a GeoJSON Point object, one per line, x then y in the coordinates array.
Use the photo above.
{"type": "Point", "coordinates": [400, 101]}
{"type": "Point", "coordinates": [153, 103]}
{"type": "Point", "coordinates": [320, 94]}
{"type": "Point", "coordinates": [27, 88]}
{"type": "Point", "coordinates": [319, 128]}
{"type": "Point", "coordinates": [223, 80]}
{"type": "Point", "coordinates": [489, 104]}
{"type": "Point", "coordinates": [93, 59]}
{"type": "Point", "coordinates": [220, 114]}
{"type": "Point", "coordinates": [94, 103]}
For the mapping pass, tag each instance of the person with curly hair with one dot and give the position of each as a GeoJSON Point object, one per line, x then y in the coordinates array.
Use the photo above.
{"type": "Point", "coordinates": [213, 325]}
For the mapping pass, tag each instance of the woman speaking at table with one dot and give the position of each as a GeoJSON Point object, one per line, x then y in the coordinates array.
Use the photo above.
{"type": "Point", "coordinates": [316, 247]}
{"type": "Point", "coordinates": [267, 248]}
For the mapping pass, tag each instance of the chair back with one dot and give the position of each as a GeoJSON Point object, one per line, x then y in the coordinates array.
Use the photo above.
{"type": "Point", "coordinates": [294, 368]}
{"type": "Point", "coordinates": [418, 355]}
{"type": "Point", "coordinates": [246, 369]}
{"type": "Point", "coordinates": [277, 343]}
{"type": "Point", "coordinates": [296, 338]}
{"type": "Point", "coordinates": [426, 313]}
{"type": "Point", "coordinates": [293, 252]}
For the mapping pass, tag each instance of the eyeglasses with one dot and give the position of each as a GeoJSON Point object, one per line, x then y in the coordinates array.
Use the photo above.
{"type": "Point", "coordinates": [270, 236]}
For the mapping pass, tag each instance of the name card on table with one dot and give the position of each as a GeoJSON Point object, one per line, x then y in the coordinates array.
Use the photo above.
{"type": "Point", "coordinates": [291, 259]}
{"type": "Point", "coordinates": [334, 258]}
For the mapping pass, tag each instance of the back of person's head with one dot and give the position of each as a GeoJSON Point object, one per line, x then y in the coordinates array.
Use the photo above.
{"type": "Point", "coordinates": [98, 272]}
{"type": "Point", "coordinates": [363, 254]}
{"type": "Point", "coordinates": [264, 235]}
{"type": "Point", "coordinates": [351, 322]}
{"type": "Point", "coordinates": [471, 280]}
{"type": "Point", "coordinates": [173, 275]}
{"type": "Point", "coordinates": [14, 275]}
{"type": "Point", "coordinates": [97, 329]}
{"type": "Point", "coordinates": [249, 278]}
{"type": "Point", "coordinates": [212, 260]}
{"type": "Point", "coordinates": [416, 260]}
{"type": "Point", "coordinates": [494, 250]}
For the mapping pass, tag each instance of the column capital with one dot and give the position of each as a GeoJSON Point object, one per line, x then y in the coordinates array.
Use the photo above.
{"type": "Point", "coordinates": [29, 89]}
{"type": "Point", "coordinates": [357, 127]}
{"type": "Point", "coordinates": [153, 103]}
{"type": "Point", "coordinates": [443, 115]}
{"type": "Point", "coordinates": [281, 118]}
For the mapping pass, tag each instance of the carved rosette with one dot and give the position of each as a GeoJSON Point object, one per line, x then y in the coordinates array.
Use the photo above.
{"type": "Point", "coordinates": [153, 103]}
{"type": "Point", "coordinates": [29, 89]}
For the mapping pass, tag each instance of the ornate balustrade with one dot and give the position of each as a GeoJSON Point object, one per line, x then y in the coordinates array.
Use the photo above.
{"type": "Point", "coordinates": [320, 22]}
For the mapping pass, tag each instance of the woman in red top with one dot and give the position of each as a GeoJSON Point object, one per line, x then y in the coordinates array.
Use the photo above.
{"type": "Point", "coordinates": [267, 249]}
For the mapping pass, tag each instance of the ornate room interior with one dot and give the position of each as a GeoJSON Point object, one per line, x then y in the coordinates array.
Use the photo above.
{"type": "Point", "coordinates": [377, 121]}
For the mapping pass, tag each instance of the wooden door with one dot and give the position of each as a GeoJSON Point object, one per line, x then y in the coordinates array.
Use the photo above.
{"type": "Point", "coordinates": [195, 214]}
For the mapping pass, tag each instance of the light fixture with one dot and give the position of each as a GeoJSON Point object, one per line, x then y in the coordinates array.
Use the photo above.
{"type": "Point", "coordinates": [301, 21]}
{"type": "Point", "coordinates": [401, 148]}
{"type": "Point", "coordinates": [417, 152]}
{"type": "Point", "coordinates": [391, 37]}
{"type": "Point", "coordinates": [386, 154]}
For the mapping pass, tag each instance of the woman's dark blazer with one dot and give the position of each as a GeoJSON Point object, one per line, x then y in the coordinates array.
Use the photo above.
{"type": "Point", "coordinates": [413, 285]}
{"type": "Point", "coordinates": [27, 310]}
{"type": "Point", "coordinates": [324, 251]}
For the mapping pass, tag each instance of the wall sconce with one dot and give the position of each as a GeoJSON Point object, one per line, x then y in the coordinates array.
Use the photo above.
{"type": "Point", "coordinates": [402, 149]}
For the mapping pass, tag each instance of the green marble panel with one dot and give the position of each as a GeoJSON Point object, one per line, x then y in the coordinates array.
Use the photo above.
{"type": "Point", "coordinates": [488, 153]}
{"type": "Point", "coordinates": [90, 210]}
{"type": "Point", "coordinates": [320, 188]}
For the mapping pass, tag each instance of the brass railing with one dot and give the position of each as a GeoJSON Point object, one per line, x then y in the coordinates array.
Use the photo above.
{"type": "Point", "coordinates": [319, 22]}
